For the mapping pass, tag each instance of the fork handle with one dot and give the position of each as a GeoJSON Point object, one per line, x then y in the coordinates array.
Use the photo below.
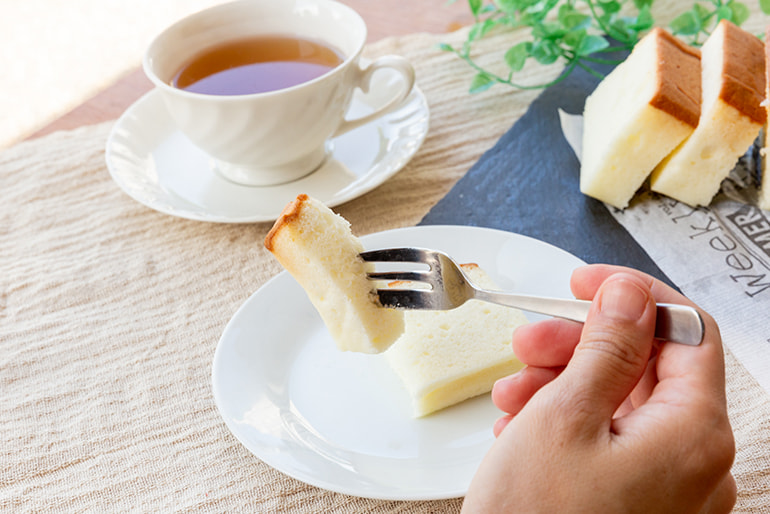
{"type": "Point", "coordinates": [675, 323]}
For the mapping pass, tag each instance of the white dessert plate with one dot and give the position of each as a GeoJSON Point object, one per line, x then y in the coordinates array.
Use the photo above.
{"type": "Point", "coordinates": [159, 166]}
{"type": "Point", "coordinates": [342, 421]}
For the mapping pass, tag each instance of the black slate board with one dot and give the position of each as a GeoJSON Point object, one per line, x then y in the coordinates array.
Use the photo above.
{"type": "Point", "coordinates": [528, 183]}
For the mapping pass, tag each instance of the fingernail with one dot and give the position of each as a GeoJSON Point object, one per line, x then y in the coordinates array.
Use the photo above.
{"type": "Point", "coordinates": [622, 300]}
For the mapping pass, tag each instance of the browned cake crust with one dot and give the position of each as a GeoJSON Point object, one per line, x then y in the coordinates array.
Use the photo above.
{"type": "Point", "coordinates": [743, 75]}
{"type": "Point", "coordinates": [289, 213]}
{"type": "Point", "coordinates": [678, 88]}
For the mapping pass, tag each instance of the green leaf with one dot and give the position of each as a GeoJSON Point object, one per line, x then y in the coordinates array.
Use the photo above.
{"type": "Point", "coordinates": [701, 12]}
{"type": "Point", "coordinates": [686, 24]}
{"type": "Point", "coordinates": [644, 20]}
{"type": "Point", "coordinates": [538, 11]}
{"type": "Point", "coordinates": [548, 30]}
{"type": "Point", "coordinates": [620, 30]}
{"type": "Point", "coordinates": [610, 7]}
{"type": "Point", "coordinates": [480, 29]}
{"type": "Point", "coordinates": [591, 44]}
{"type": "Point", "coordinates": [481, 82]}
{"type": "Point", "coordinates": [474, 6]}
{"type": "Point", "coordinates": [741, 13]}
{"type": "Point", "coordinates": [475, 32]}
{"type": "Point", "coordinates": [509, 6]}
{"type": "Point", "coordinates": [572, 19]}
{"type": "Point", "coordinates": [765, 6]}
{"type": "Point", "coordinates": [545, 51]}
{"type": "Point", "coordinates": [509, 20]}
{"type": "Point", "coordinates": [577, 21]}
{"type": "Point", "coordinates": [517, 55]}
{"type": "Point", "coordinates": [643, 4]}
{"type": "Point", "coordinates": [445, 47]}
{"type": "Point", "coordinates": [565, 10]}
{"type": "Point", "coordinates": [548, 5]}
{"type": "Point", "coordinates": [574, 37]}
{"type": "Point", "coordinates": [724, 13]}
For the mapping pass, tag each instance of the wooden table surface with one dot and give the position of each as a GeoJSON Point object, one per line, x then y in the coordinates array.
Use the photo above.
{"type": "Point", "coordinates": [383, 18]}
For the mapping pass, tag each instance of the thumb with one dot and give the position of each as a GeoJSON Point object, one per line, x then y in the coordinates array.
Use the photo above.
{"type": "Point", "coordinates": [614, 347]}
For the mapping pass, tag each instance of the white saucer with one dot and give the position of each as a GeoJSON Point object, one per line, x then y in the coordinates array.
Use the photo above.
{"type": "Point", "coordinates": [158, 166]}
{"type": "Point", "coordinates": [342, 420]}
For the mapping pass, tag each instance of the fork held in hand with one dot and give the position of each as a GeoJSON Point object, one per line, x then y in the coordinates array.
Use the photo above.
{"type": "Point", "coordinates": [450, 289]}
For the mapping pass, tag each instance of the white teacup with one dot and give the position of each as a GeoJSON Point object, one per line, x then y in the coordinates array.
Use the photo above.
{"type": "Point", "coordinates": [278, 136]}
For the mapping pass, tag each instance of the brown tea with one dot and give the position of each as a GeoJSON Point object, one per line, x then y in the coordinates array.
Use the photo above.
{"type": "Point", "coordinates": [256, 65]}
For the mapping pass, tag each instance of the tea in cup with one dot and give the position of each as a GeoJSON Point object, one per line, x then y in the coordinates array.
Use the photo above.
{"type": "Point", "coordinates": [262, 86]}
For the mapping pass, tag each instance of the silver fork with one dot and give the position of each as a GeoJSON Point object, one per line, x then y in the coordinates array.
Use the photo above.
{"type": "Point", "coordinates": [449, 288]}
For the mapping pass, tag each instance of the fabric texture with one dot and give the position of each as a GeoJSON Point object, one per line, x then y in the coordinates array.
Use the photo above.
{"type": "Point", "coordinates": [110, 314]}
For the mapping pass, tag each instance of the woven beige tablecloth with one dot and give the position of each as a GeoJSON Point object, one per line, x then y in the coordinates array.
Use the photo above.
{"type": "Point", "coordinates": [110, 313]}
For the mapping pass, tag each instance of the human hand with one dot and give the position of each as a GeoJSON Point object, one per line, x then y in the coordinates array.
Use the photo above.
{"type": "Point", "coordinates": [603, 419]}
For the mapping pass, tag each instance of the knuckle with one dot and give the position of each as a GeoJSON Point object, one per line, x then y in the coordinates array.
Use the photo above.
{"type": "Point", "coordinates": [621, 349]}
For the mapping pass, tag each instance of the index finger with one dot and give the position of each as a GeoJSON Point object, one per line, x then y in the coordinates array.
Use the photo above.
{"type": "Point", "coordinates": [587, 279]}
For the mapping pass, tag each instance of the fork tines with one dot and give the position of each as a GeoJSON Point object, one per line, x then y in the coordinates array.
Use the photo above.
{"type": "Point", "coordinates": [415, 289]}
{"type": "Point", "coordinates": [406, 255]}
{"type": "Point", "coordinates": [406, 296]}
{"type": "Point", "coordinates": [396, 255]}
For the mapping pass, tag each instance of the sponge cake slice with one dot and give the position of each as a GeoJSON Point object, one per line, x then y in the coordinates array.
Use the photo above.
{"type": "Point", "coordinates": [445, 357]}
{"type": "Point", "coordinates": [733, 83]}
{"type": "Point", "coordinates": [637, 115]}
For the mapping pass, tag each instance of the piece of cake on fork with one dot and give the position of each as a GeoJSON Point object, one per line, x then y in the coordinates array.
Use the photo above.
{"type": "Point", "coordinates": [319, 249]}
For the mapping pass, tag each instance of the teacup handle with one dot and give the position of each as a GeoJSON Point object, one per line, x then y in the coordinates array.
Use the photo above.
{"type": "Point", "coordinates": [394, 62]}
